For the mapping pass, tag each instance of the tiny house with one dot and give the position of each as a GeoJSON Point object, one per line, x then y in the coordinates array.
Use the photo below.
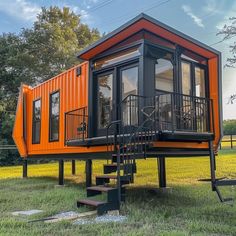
{"type": "Point", "coordinates": [144, 90]}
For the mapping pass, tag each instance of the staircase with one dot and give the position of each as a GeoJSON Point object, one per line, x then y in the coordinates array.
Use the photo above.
{"type": "Point", "coordinates": [124, 150]}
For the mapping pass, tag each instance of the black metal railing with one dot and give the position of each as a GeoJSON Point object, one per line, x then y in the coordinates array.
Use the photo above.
{"type": "Point", "coordinates": [168, 112]}
{"type": "Point", "coordinates": [76, 124]}
{"type": "Point", "coordinates": [179, 112]}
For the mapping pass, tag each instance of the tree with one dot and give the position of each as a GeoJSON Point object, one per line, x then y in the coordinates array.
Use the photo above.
{"type": "Point", "coordinates": [55, 39]}
{"type": "Point", "coordinates": [35, 55]}
{"type": "Point", "coordinates": [229, 32]}
{"type": "Point", "coordinates": [229, 127]}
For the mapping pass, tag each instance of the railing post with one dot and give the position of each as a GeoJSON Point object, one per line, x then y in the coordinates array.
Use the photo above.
{"type": "Point", "coordinates": [172, 111]}
{"type": "Point", "coordinates": [84, 127]}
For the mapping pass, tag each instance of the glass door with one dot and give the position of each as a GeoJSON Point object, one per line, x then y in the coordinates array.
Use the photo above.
{"type": "Point", "coordinates": [193, 107]}
{"type": "Point", "coordinates": [128, 77]}
{"type": "Point", "coordinates": [104, 101]}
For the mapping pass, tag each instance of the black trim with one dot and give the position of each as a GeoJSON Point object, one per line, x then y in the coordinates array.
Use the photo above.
{"type": "Point", "coordinates": [34, 122]}
{"type": "Point", "coordinates": [50, 116]}
{"type": "Point", "coordinates": [160, 152]}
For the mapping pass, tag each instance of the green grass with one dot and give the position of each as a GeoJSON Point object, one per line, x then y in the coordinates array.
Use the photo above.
{"type": "Point", "coordinates": [190, 209]}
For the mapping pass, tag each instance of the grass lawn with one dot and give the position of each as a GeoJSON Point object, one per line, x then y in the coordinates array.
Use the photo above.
{"type": "Point", "coordinates": [190, 209]}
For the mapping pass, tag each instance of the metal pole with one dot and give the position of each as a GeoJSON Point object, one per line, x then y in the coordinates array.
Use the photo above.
{"type": "Point", "coordinates": [88, 169]}
{"type": "Point", "coordinates": [61, 172]}
{"type": "Point", "coordinates": [73, 167]}
{"type": "Point", "coordinates": [25, 169]}
{"type": "Point", "coordinates": [212, 165]}
{"type": "Point", "coordinates": [162, 172]}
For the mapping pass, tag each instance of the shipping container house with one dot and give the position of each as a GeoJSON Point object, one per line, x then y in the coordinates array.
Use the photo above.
{"type": "Point", "coordinates": [144, 90]}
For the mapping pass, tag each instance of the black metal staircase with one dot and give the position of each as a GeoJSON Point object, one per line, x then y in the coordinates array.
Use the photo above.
{"type": "Point", "coordinates": [216, 183]}
{"type": "Point", "coordinates": [122, 166]}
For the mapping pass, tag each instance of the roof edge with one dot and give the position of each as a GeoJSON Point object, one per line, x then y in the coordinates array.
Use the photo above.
{"type": "Point", "coordinates": [154, 21]}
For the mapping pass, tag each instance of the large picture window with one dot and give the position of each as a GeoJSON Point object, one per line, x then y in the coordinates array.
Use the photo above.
{"type": "Point", "coordinates": [54, 116]}
{"type": "Point", "coordinates": [164, 74]}
{"type": "Point", "coordinates": [36, 121]}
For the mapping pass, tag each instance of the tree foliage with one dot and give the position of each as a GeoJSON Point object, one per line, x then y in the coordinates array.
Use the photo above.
{"type": "Point", "coordinates": [229, 127]}
{"type": "Point", "coordinates": [229, 32]}
{"type": "Point", "coordinates": [35, 55]}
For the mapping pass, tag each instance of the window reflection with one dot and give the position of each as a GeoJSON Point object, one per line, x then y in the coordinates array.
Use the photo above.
{"type": "Point", "coordinates": [186, 78]}
{"type": "Point", "coordinates": [54, 116]}
{"type": "Point", "coordinates": [115, 58]}
{"type": "Point", "coordinates": [200, 82]}
{"type": "Point", "coordinates": [164, 73]}
{"type": "Point", "coordinates": [104, 100]}
{"type": "Point", "coordinates": [129, 81]}
{"type": "Point", "coordinates": [36, 121]}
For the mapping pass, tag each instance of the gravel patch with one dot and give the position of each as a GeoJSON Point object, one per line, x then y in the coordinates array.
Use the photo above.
{"type": "Point", "coordinates": [101, 219]}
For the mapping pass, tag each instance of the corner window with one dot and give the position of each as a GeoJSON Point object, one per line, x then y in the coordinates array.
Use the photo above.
{"type": "Point", "coordinates": [200, 89]}
{"type": "Point", "coordinates": [54, 116]}
{"type": "Point", "coordinates": [164, 74]}
{"type": "Point", "coordinates": [117, 57]}
{"type": "Point", "coordinates": [36, 121]}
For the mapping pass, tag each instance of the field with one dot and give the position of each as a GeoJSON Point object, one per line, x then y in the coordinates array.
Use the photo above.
{"type": "Point", "coordinates": [191, 208]}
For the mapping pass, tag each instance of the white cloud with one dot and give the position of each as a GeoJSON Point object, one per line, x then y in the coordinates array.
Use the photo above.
{"type": "Point", "coordinates": [213, 7]}
{"type": "Point", "coordinates": [20, 8]}
{"type": "Point", "coordinates": [196, 19]}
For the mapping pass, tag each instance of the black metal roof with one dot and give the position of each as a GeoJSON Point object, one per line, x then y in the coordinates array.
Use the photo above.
{"type": "Point", "coordinates": [154, 21]}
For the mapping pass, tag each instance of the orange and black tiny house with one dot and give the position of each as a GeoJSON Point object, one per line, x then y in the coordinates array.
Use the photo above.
{"type": "Point", "coordinates": [144, 90]}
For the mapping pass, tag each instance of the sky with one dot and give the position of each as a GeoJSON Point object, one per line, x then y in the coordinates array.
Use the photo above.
{"type": "Point", "coordinates": [200, 19]}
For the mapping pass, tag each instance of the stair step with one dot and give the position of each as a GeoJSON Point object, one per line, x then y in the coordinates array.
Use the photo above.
{"type": "Point", "coordinates": [106, 177]}
{"type": "Point", "coordinates": [89, 202]}
{"type": "Point", "coordinates": [101, 188]}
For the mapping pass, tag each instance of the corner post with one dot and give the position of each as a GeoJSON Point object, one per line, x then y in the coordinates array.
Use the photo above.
{"type": "Point", "coordinates": [25, 168]}
{"type": "Point", "coordinates": [88, 170]}
{"type": "Point", "coordinates": [161, 172]}
{"type": "Point", "coordinates": [61, 172]}
{"type": "Point", "coordinates": [73, 167]}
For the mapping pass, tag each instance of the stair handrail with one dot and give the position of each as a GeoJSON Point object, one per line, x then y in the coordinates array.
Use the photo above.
{"type": "Point", "coordinates": [118, 125]}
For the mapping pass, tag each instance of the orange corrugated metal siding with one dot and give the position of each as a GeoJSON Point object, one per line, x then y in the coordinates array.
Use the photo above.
{"type": "Point", "coordinates": [18, 132]}
{"type": "Point", "coordinates": [73, 95]}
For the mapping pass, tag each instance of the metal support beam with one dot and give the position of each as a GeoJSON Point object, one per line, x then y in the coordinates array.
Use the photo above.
{"type": "Point", "coordinates": [73, 167]}
{"type": "Point", "coordinates": [25, 169]}
{"type": "Point", "coordinates": [161, 172]}
{"type": "Point", "coordinates": [61, 172]}
{"type": "Point", "coordinates": [212, 165]}
{"type": "Point", "coordinates": [88, 170]}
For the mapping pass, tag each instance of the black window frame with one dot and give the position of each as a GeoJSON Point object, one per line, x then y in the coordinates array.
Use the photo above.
{"type": "Point", "coordinates": [34, 122]}
{"type": "Point", "coordinates": [50, 117]}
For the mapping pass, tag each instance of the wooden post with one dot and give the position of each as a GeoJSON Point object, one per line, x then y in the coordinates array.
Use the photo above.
{"type": "Point", "coordinates": [88, 170]}
{"type": "Point", "coordinates": [25, 169]}
{"type": "Point", "coordinates": [161, 172]}
{"type": "Point", "coordinates": [61, 172]}
{"type": "Point", "coordinates": [73, 167]}
{"type": "Point", "coordinates": [231, 140]}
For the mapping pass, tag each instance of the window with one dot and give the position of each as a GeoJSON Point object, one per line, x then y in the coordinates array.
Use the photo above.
{"type": "Point", "coordinates": [117, 57]}
{"type": "Point", "coordinates": [186, 78]}
{"type": "Point", "coordinates": [54, 116]}
{"type": "Point", "coordinates": [129, 85]}
{"type": "Point", "coordinates": [36, 121]}
{"type": "Point", "coordinates": [200, 82]}
{"type": "Point", "coordinates": [164, 75]}
{"type": "Point", "coordinates": [104, 100]}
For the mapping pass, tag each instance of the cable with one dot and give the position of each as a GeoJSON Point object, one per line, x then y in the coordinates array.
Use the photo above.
{"type": "Point", "coordinates": [117, 19]}
{"type": "Point", "coordinates": [97, 7]}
